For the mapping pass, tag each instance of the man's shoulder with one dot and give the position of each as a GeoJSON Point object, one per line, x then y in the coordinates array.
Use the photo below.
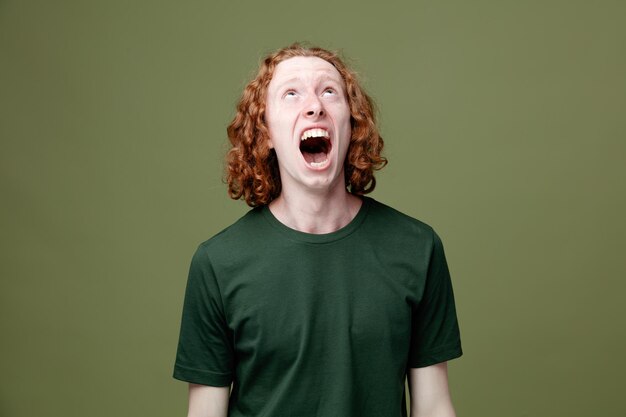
{"type": "Point", "coordinates": [396, 221]}
{"type": "Point", "coordinates": [246, 229]}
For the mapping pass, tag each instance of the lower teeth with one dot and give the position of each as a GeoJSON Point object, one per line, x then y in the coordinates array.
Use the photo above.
{"type": "Point", "coordinates": [317, 164]}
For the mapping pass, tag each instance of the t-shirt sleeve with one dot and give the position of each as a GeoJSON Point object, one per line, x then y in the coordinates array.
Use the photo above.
{"type": "Point", "coordinates": [205, 350]}
{"type": "Point", "coordinates": [435, 334]}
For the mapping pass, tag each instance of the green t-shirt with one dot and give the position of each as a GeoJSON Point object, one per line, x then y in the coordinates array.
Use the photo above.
{"type": "Point", "coordinates": [317, 325]}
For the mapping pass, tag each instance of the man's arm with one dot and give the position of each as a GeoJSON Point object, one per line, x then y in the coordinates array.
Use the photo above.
{"type": "Point", "coordinates": [430, 396]}
{"type": "Point", "coordinates": [206, 401]}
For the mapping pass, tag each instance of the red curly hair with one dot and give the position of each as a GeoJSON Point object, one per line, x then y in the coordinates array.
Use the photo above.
{"type": "Point", "coordinates": [252, 167]}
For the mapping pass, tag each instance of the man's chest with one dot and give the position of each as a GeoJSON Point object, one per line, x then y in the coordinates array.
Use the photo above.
{"type": "Point", "coordinates": [319, 303]}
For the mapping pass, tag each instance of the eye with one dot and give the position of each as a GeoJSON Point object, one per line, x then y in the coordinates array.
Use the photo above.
{"type": "Point", "coordinates": [290, 93]}
{"type": "Point", "coordinates": [329, 91]}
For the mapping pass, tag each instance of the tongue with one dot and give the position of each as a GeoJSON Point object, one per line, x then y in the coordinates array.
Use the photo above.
{"type": "Point", "coordinates": [314, 157]}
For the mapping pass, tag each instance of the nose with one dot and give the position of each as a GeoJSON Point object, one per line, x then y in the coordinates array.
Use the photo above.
{"type": "Point", "coordinates": [314, 108]}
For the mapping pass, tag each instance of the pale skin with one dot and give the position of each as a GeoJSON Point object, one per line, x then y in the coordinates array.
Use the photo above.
{"type": "Point", "coordinates": [307, 93]}
{"type": "Point", "coordinates": [430, 396]}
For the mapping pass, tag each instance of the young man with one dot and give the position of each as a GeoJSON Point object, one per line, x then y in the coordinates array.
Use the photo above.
{"type": "Point", "coordinates": [319, 301]}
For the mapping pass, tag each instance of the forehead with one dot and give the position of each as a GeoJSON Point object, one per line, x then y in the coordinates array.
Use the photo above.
{"type": "Point", "coordinates": [304, 68]}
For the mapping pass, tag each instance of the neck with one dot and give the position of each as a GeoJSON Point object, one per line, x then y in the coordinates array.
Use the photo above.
{"type": "Point", "coordinates": [316, 213]}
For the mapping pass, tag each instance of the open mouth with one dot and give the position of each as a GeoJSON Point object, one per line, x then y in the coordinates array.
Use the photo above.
{"type": "Point", "coordinates": [315, 146]}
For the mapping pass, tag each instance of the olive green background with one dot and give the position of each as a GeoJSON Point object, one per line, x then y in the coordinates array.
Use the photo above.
{"type": "Point", "coordinates": [504, 124]}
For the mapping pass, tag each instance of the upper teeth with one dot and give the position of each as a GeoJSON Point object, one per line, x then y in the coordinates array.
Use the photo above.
{"type": "Point", "coordinates": [314, 133]}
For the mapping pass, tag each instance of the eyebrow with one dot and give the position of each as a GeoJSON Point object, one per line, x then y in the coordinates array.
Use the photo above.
{"type": "Point", "coordinates": [322, 78]}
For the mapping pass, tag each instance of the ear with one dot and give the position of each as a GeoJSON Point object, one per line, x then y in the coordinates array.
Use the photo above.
{"type": "Point", "coordinates": [265, 129]}
{"type": "Point", "coordinates": [270, 144]}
